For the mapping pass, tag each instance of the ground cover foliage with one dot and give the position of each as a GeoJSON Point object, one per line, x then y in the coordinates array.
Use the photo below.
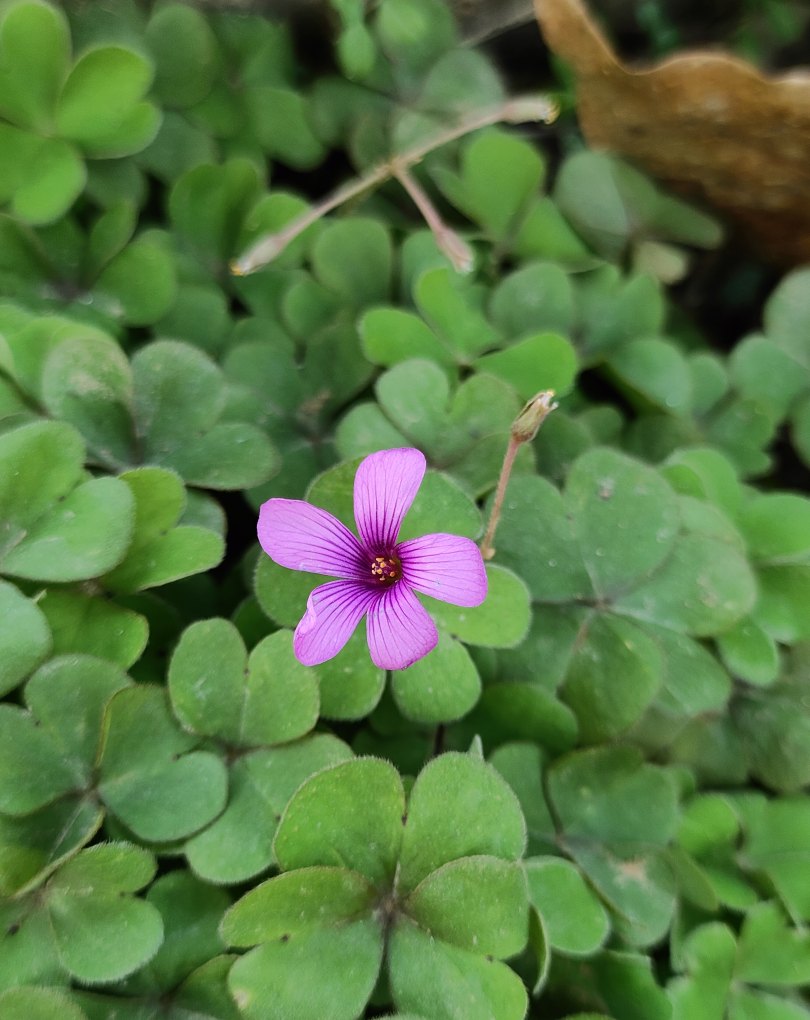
{"type": "Point", "coordinates": [590, 799]}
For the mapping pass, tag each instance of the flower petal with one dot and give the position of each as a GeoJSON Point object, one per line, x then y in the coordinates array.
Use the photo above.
{"type": "Point", "coordinates": [333, 612]}
{"type": "Point", "coordinates": [384, 488]}
{"type": "Point", "coordinates": [303, 537]}
{"type": "Point", "coordinates": [399, 628]}
{"type": "Point", "coordinates": [447, 567]}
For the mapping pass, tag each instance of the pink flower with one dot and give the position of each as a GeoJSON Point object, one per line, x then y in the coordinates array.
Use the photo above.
{"type": "Point", "coordinates": [378, 575]}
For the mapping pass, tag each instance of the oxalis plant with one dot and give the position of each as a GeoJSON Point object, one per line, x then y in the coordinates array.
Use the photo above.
{"type": "Point", "coordinates": [333, 685]}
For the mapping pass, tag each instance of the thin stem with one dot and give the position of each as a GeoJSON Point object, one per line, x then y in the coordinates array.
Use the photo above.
{"type": "Point", "coordinates": [272, 245]}
{"type": "Point", "coordinates": [515, 111]}
{"type": "Point", "coordinates": [524, 429]}
{"type": "Point", "coordinates": [487, 549]}
{"type": "Point", "coordinates": [448, 241]}
{"type": "Point", "coordinates": [420, 197]}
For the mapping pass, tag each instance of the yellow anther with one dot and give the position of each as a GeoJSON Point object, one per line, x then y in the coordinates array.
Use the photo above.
{"type": "Point", "coordinates": [386, 569]}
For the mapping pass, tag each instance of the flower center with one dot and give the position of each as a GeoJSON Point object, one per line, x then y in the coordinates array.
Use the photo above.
{"type": "Point", "coordinates": [386, 569]}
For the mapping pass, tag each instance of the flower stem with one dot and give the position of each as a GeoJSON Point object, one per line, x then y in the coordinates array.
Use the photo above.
{"type": "Point", "coordinates": [447, 240]}
{"type": "Point", "coordinates": [272, 245]}
{"type": "Point", "coordinates": [524, 429]}
{"type": "Point", "coordinates": [514, 111]}
{"type": "Point", "coordinates": [487, 549]}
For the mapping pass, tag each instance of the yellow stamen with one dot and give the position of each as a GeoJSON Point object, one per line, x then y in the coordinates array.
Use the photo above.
{"type": "Point", "coordinates": [386, 569]}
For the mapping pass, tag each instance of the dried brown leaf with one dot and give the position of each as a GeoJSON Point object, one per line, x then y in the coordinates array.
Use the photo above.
{"type": "Point", "coordinates": [709, 125]}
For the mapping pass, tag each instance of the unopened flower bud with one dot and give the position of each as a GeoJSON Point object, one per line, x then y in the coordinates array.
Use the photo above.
{"type": "Point", "coordinates": [525, 108]}
{"type": "Point", "coordinates": [534, 413]}
{"type": "Point", "coordinates": [456, 249]}
{"type": "Point", "coordinates": [261, 253]}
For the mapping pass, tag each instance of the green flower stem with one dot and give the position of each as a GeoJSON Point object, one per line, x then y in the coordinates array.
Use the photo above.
{"type": "Point", "coordinates": [524, 429]}
{"type": "Point", "coordinates": [515, 111]}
